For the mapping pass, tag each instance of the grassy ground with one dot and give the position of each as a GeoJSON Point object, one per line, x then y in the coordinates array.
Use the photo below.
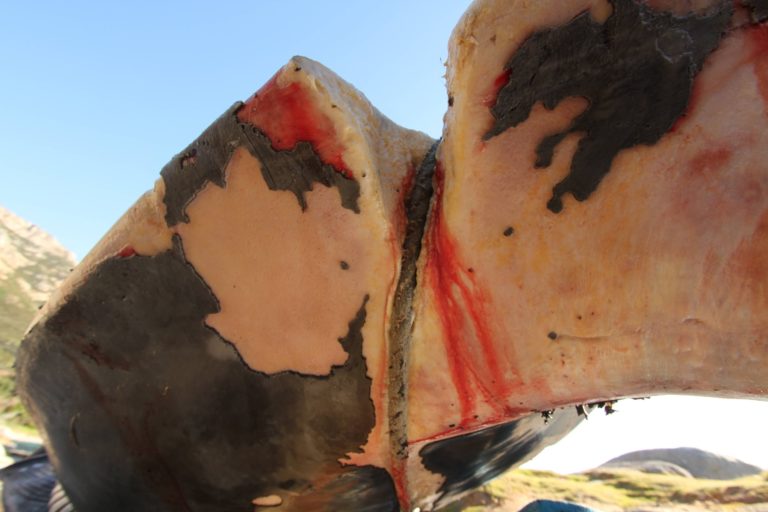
{"type": "Point", "coordinates": [16, 311]}
{"type": "Point", "coordinates": [618, 490]}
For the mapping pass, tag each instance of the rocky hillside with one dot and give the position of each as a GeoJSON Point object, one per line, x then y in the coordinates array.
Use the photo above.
{"type": "Point", "coordinates": [635, 482]}
{"type": "Point", "coordinates": [32, 264]}
{"type": "Point", "coordinates": [690, 462]}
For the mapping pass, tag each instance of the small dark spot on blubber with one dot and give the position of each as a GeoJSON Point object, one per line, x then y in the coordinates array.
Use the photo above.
{"type": "Point", "coordinates": [509, 231]}
{"type": "Point", "coordinates": [552, 335]}
{"type": "Point", "coordinates": [344, 265]}
{"type": "Point", "coordinates": [555, 205]}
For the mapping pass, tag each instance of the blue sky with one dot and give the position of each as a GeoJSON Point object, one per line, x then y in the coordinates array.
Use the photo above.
{"type": "Point", "coordinates": [96, 97]}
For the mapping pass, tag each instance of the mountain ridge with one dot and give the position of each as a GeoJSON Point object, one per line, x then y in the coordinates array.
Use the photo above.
{"type": "Point", "coordinates": [696, 462]}
{"type": "Point", "coordinates": [32, 264]}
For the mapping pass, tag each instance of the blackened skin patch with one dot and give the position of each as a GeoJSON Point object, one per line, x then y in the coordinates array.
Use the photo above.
{"type": "Point", "coordinates": [297, 169]}
{"type": "Point", "coordinates": [759, 9]}
{"type": "Point", "coordinates": [202, 161]}
{"type": "Point", "coordinates": [636, 71]}
{"type": "Point", "coordinates": [470, 460]}
{"type": "Point", "coordinates": [205, 160]}
{"type": "Point", "coordinates": [369, 489]}
{"type": "Point", "coordinates": [147, 409]}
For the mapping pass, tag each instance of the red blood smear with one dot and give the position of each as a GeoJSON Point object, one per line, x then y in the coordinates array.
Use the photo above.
{"type": "Point", "coordinates": [397, 472]}
{"type": "Point", "coordinates": [461, 307]}
{"type": "Point", "coordinates": [288, 115]}
{"type": "Point", "coordinates": [709, 160]}
{"type": "Point", "coordinates": [760, 60]}
{"type": "Point", "coordinates": [489, 99]}
{"type": "Point", "coordinates": [126, 252]}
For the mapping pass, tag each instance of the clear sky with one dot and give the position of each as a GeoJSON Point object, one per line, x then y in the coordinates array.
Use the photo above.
{"type": "Point", "coordinates": [95, 97]}
{"type": "Point", "coordinates": [729, 427]}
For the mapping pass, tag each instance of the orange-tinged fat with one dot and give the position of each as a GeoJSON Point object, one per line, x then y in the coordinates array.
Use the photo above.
{"type": "Point", "coordinates": [265, 259]}
{"type": "Point", "coordinates": [654, 284]}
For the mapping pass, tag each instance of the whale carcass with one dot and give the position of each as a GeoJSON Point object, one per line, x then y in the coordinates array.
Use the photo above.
{"type": "Point", "coordinates": [316, 309]}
